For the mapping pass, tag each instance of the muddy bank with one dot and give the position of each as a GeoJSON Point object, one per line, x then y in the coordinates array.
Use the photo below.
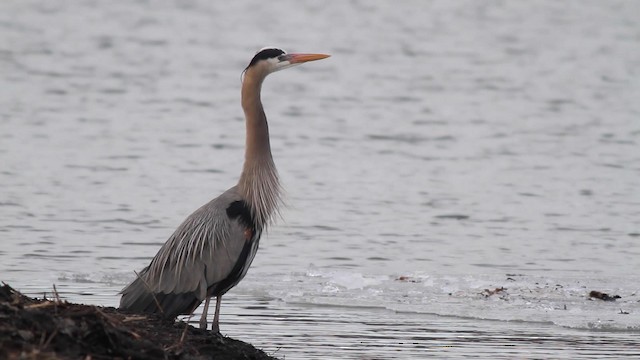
{"type": "Point", "coordinates": [54, 329]}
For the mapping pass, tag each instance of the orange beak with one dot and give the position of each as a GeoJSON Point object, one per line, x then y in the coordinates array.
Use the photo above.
{"type": "Point", "coordinates": [301, 58]}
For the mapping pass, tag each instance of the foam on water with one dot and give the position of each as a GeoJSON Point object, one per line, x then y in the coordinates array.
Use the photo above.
{"type": "Point", "coordinates": [446, 149]}
{"type": "Point", "coordinates": [560, 301]}
{"type": "Point", "coordinates": [563, 302]}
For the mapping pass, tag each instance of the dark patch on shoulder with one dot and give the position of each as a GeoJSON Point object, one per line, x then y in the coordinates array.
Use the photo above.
{"type": "Point", "coordinates": [265, 54]}
{"type": "Point", "coordinates": [240, 210]}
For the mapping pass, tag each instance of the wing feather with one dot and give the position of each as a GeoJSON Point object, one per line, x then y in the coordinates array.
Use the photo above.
{"type": "Point", "coordinates": [206, 246]}
{"type": "Point", "coordinates": [206, 255]}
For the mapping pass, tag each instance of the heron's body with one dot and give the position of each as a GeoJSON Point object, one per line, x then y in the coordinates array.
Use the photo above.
{"type": "Point", "coordinates": [211, 251]}
{"type": "Point", "coordinates": [207, 255]}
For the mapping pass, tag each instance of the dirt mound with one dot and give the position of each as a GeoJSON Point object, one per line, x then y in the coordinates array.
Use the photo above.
{"type": "Point", "coordinates": [53, 329]}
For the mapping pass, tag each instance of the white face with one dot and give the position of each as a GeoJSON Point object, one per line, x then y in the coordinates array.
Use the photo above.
{"type": "Point", "coordinates": [279, 63]}
{"type": "Point", "coordinates": [271, 59]}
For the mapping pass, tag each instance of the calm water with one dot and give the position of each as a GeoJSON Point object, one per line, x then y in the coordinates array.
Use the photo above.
{"type": "Point", "coordinates": [447, 148]}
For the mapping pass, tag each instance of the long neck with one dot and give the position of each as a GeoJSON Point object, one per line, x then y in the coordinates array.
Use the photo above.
{"type": "Point", "coordinates": [258, 183]}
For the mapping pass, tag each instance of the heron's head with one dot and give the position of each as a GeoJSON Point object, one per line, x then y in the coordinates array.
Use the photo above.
{"type": "Point", "coordinates": [270, 59]}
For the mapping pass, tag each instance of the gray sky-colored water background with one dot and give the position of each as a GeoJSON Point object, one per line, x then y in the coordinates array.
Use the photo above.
{"type": "Point", "coordinates": [445, 149]}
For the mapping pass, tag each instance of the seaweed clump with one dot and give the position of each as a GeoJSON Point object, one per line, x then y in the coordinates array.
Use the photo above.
{"type": "Point", "coordinates": [55, 329]}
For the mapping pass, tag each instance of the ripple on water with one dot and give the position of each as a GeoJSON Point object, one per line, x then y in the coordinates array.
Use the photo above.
{"type": "Point", "coordinates": [415, 166]}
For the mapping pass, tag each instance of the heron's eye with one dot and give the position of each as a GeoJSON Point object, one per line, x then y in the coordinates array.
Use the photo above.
{"type": "Point", "coordinates": [282, 57]}
{"type": "Point", "coordinates": [266, 54]}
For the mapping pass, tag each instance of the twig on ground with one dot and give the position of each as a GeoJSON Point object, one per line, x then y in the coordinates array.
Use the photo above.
{"type": "Point", "coordinates": [55, 293]}
{"type": "Point", "coordinates": [150, 292]}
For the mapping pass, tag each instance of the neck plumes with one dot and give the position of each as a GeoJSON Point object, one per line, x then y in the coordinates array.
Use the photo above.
{"type": "Point", "coordinates": [258, 183]}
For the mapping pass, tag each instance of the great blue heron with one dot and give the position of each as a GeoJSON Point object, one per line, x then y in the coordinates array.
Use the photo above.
{"type": "Point", "coordinates": [211, 251]}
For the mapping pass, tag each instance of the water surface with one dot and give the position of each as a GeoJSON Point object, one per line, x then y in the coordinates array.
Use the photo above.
{"type": "Point", "coordinates": [445, 149]}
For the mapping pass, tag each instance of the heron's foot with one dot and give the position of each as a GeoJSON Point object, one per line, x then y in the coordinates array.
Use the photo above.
{"type": "Point", "coordinates": [215, 328]}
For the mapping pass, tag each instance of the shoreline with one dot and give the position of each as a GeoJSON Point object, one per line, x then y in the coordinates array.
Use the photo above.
{"type": "Point", "coordinates": [33, 328]}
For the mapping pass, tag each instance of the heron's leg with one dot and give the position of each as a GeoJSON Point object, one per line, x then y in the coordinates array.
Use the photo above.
{"type": "Point", "coordinates": [203, 318]}
{"type": "Point", "coordinates": [215, 327]}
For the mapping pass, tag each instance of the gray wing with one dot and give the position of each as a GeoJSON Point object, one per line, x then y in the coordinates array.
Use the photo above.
{"type": "Point", "coordinates": [204, 251]}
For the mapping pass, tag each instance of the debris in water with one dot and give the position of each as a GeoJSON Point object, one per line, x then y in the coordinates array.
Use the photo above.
{"type": "Point", "coordinates": [488, 292]}
{"type": "Point", "coordinates": [603, 296]}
